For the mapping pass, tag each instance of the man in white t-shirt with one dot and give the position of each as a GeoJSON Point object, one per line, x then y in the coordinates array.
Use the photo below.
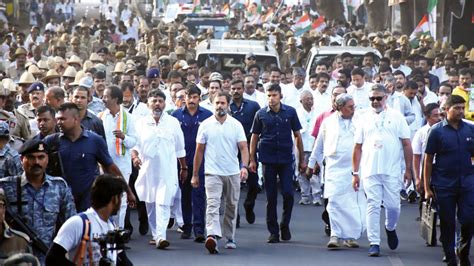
{"type": "Point", "coordinates": [219, 139]}
{"type": "Point", "coordinates": [359, 89]}
{"type": "Point", "coordinates": [380, 139]}
{"type": "Point", "coordinates": [107, 191]}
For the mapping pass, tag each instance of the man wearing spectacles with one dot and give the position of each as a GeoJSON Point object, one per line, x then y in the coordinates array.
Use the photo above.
{"type": "Point", "coordinates": [250, 59]}
{"type": "Point", "coordinates": [379, 140]}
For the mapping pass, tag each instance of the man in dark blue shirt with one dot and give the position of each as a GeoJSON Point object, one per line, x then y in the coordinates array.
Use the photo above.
{"type": "Point", "coordinates": [450, 179]}
{"type": "Point", "coordinates": [80, 151]}
{"type": "Point", "coordinates": [244, 111]}
{"type": "Point", "coordinates": [271, 129]}
{"type": "Point", "coordinates": [193, 200]}
{"type": "Point", "coordinates": [89, 121]}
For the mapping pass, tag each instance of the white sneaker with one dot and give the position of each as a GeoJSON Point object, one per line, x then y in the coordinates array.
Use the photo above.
{"type": "Point", "coordinates": [333, 242]}
{"type": "Point", "coordinates": [317, 202]}
{"type": "Point", "coordinates": [230, 244]}
{"type": "Point", "coordinates": [304, 202]}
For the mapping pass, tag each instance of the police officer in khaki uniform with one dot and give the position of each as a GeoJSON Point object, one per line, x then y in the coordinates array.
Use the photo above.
{"type": "Point", "coordinates": [20, 128]}
{"type": "Point", "coordinates": [291, 55]}
{"type": "Point", "coordinates": [11, 241]}
{"type": "Point", "coordinates": [17, 68]}
{"type": "Point", "coordinates": [36, 92]}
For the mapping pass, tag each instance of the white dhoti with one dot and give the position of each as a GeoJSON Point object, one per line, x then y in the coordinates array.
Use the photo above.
{"type": "Point", "coordinates": [176, 210]}
{"type": "Point", "coordinates": [347, 214]}
{"type": "Point", "coordinates": [158, 217]}
{"type": "Point", "coordinates": [386, 189]}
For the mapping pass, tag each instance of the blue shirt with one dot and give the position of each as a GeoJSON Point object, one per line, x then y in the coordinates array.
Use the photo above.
{"type": "Point", "coordinates": [245, 114]}
{"type": "Point", "coordinates": [80, 158]}
{"type": "Point", "coordinates": [453, 149]}
{"type": "Point", "coordinates": [190, 125]}
{"type": "Point", "coordinates": [93, 123]}
{"type": "Point", "coordinates": [275, 132]}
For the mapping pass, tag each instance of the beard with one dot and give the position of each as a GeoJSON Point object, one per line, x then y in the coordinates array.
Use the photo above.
{"type": "Point", "coordinates": [221, 112]}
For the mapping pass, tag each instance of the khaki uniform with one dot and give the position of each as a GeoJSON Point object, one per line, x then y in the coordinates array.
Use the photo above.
{"type": "Point", "coordinates": [96, 45]}
{"type": "Point", "coordinates": [81, 54]}
{"type": "Point", "coordinates": [289, 58]}
{"type": "Point", "coordinates": [14, 73]}
{"type": "Point", "coordinates": [28, 110]}
{"type": "Point", "coordinates": [13, 242]}
{"type": "Point", "coordinates": [22, 127]}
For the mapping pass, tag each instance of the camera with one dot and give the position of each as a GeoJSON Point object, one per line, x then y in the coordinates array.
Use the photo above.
{"type": "Point", "coordinates": [116, 239]}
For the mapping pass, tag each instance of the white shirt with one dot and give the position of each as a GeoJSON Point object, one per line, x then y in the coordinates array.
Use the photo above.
{"type": "Point", "coordinates": [207, 104]}
{"type": "Point", "coordinates": [221, 145]}
{"type": "Point", "coordinates": [70, 235]}
{"type": "Point", "coordinates": [380, 136]}
{"type": "Point", "coordinates": [258, 97]}
{"type": "Point", "coordinates": [307, 120]}
{"type": "Point", "coordinates": [139, 109]}
{"type": "Point", "coordinates": [418, 144]}
{"type": "Point", "coordinates": [125, 15]}
{"type": "Point", "coordinates": [406, 70]}
{"type": "Point", "coordinates": [430, 97]}
{"type": "Point", "coordinates": [360, 95]}
{"type": "Point", "coordinates": [418, 122]}
{"type": "Point", "coordinates": [110, 124]}
{"type": "Point", "coordinates": [111, 15]}
{"type": "Point", "coordinates": [172, 126]}
{"type": "Point", "coordinates": [321, 101]}
{"type": "Point", "coordinates": [291, 95]}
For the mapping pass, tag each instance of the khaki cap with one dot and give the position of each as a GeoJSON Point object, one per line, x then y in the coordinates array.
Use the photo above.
{"type": "Point", "coordinates": [292, 40]}
{"type": "Point", "coordinates": [79, 75]}
{"type": "Point", "coordinates": [461, 49]}
{"type": "Point", "coordinates": [34, 69]}
{"type": "Point", "coordinates": [51, 74]}
{"type": "Point", "coordinates": [74, 59]}
{"type": "Point", "coordinates": [430, 54]}
{"type": "Point", "coordinates": [95, 58]}
{"type": "Point", "coordinates": [26, 78]}
{"type": "Point", "coordinates": [20, 51]}
{"type": "Point", "coordinates": [9, 84]}
{"type": "Point", "coordinates": [180, 50]}
{"type": "Point", "coordinates": [70, 72]}
{"type": "Point", "coordinates": [42, 64]}
{"type": "Point", "coordinates": [119, 67]}
{"type": "Point", "coordinates": [75, 40]}
{"type": "Point", "coordinates": [4, 91]}
{"type": "Point", "coordinates": [87, 65]}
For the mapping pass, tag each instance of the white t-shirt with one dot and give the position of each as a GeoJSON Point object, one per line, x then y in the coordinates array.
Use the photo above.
{"type": "Point", "coordinates": [418, 144]}
{"type": "Point", "coordinates": [70, 235]}
{"type": "Point", "coordinates": [380, 136]}
{"type": "Point", "coordinates": [360, 95]}
{"type": "Point", "coordinates": [221, 145]}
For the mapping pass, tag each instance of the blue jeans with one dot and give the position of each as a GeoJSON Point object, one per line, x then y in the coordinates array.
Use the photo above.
{"type": "Point", "coordinates": [285, 173]}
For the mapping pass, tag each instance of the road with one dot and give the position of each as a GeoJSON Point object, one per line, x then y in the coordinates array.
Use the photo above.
{"type": "Point", "coordinates": [307, 247]}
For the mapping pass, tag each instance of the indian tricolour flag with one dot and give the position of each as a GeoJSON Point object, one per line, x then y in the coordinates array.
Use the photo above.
{"type": "Point", "coordinates": [432, 19]}
{"type": "Point", "coordinates": [304, 24]}
{"type": "Point", "coordinates": [423, 28]}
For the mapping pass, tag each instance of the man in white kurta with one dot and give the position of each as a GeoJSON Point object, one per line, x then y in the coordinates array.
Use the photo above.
{"type": "Point", "coordinates": [380, 138]}
{"type": "Point", "coordinates": [161, 142]}
{"type": "Point", "coordinates": [310, 187]}
{"type": "Point", "coordinates": [121, 137]}
{"type": "Point", "coordinates": [334, 144]}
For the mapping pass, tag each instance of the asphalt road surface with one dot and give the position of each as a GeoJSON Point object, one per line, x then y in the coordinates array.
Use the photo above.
{"type": "Point", "coordinates": [307, 246]}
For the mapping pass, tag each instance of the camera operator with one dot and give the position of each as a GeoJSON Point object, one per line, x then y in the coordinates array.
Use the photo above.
{"type": "Point", "coordinates": [106, 195]}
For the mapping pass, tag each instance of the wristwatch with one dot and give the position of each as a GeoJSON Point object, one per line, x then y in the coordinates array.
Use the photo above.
{"type": "Point", "coordinates": [355, 173]}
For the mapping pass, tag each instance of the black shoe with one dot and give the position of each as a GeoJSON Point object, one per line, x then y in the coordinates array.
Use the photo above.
{"type": "Point", "coordinates": [272, 239]}
{"type": "Point", "coordinates": [327, 230]}
{"type": "Point", "coordinates": [199, 238]}
{"type": "Point", "coordinates": [464, 261]}
{"type": "Point", "coordinates": [285, 233]}
{"type": "Point", "coordinates": [170, 223]}
{"type": "Point", "coordinates": [392, 239]}
{"type": "Point", "coordinates": [412, 197]}
{"type": "Point", "coordinates": [374, 251]}
{"type": "Point", "coordinates": [185, 235]}
{"type": "Point", "coordinates": [403, 194]}
{"type": "Point", "coordinates": [143, 228]}
{"type": "Point", "coordinates": [249, 215]}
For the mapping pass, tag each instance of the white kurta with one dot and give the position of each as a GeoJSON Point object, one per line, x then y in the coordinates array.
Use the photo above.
{"type": "Point", "coordinates": [346, 207]}
{"type": "Point", "coordinates": [157, 180]}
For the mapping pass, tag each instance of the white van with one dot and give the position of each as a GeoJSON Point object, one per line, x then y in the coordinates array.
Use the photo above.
{"type": "Point", "coordinates": [227, 54]}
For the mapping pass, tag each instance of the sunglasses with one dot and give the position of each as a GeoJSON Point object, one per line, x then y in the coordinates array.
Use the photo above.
{"type": "Point", "coordinates": [378, 98]}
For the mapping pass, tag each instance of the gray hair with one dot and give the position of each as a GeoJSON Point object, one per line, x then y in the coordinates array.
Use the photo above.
{"type": "Point", "coordinates": [305, 93]}
{"type": "Point", "coordinates": [379, 88]}
{"type": "Point", "coordinates": [389, 79]}
{"type": "Point", "coordinates": [342, 100]}
{"type": "Point", "coordinates": [299, 71]}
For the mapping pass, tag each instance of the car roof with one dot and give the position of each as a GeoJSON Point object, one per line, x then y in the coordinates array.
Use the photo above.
{"type": "Point", "coordinates": [236, 47]}
{"type": "Point", "coordinates": [355, 50]}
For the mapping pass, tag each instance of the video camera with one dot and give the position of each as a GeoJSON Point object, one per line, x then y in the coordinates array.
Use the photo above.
{"type": "Point", "coordinates": [116, 238]}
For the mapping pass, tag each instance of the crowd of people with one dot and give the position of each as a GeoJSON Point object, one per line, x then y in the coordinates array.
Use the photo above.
{"type": "Point", "coordinates": [96, 121]}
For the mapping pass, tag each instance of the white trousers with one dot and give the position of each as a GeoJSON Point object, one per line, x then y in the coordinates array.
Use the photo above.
{"type": "Point", "coordinates": [347, 214]}
{"type": "Point", "coordinates": [119, 219]}
{"type": "Point", "coordinates": [158, 218]}
{"type": "Point", "coordinates": [176, 210]}
{"type": "Point", "coordinates": [228, 188]}
{"type": "Point", "coordinates": [386, 189]}
{"type": "Point", "coordinates": [311, 186]}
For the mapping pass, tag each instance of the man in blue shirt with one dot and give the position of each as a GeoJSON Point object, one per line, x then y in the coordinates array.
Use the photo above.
{"type": "Point", "coordinates": [450, 180]}
{"type": "Point", "coordinates": [244, 111]}
{"type": "Point", "coordinates": [271, 129]}
{"type": "Point", "coordinates": [193, 200]}
{"type": "Point", "coordinates": [80, 151]}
